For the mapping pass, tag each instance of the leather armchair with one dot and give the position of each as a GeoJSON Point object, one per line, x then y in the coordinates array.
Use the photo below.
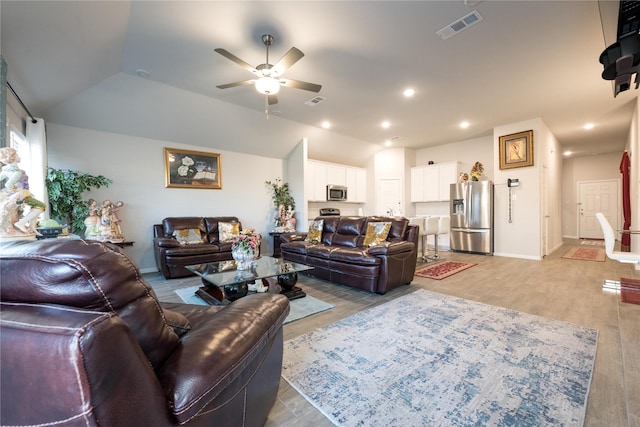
{"type": "Point", "coordinates": [85, 342]}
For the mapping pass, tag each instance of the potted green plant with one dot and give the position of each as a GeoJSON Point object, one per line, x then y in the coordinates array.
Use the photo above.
{"type": "Point", "coordinates": [65, 188]}
{"type": "Point", "coordinates": [284, 204]}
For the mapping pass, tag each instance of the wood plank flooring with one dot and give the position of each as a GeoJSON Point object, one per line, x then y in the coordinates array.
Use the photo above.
{"type": "Point", "coordinates": [561, 289]}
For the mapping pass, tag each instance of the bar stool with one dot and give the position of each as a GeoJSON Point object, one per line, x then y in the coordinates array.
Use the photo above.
{"type": "Point", "coordinates": [430, 228]}
{"type": "Point", "coordinates": [419, 221]}
{"type": "Point", "coordinates": [444, 223]}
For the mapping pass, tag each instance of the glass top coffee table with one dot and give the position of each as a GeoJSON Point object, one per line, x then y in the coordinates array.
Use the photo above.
{"type": "Point", "coordinates": [223, 282]}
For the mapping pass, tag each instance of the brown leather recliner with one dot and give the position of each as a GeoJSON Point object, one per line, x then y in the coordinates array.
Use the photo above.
{"type": "Point", "coordinates": [85, 342]}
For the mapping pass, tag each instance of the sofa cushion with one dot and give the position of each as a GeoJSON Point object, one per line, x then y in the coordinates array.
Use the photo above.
{"type": "Point", "coordinates": [228, 231]}
{"type": "Point", "coordinates": [182, 223]}
{"type": "Point", "coordinates": [377, 233]}
{"type": "Point", "coordinates": [188, 236]}
{"type": "Point", "coordinates": [349, 231]}
{"type": "Point", "coordinates": [315, 231]}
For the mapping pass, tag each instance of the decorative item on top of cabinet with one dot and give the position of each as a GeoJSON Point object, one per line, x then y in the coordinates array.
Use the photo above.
{"type": "Point", "coordinates": [430, 183]}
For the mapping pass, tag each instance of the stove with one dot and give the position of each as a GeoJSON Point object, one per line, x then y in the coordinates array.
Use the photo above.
{"type": "Point", "coordinates": [329, 212]}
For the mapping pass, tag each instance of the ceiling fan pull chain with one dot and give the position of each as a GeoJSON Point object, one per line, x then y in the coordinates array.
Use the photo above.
{"type": "Point", "coordinates": [266, 106]}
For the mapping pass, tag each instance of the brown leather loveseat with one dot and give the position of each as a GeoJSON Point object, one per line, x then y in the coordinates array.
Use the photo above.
{"type": "Point", "coordinates": [85, 342]}
{"type": "Point", "coordinates": [172, 256]}
{"type": "Point", "coordinates": [340, 254]}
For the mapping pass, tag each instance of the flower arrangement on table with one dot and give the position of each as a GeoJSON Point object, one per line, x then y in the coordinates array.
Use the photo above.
{"type": "Point", "coordinates": [245, 248]}
{"type": "Point", "coordinates": [476, 171]}
{"type": "Point", "coordinates": [247, 241]}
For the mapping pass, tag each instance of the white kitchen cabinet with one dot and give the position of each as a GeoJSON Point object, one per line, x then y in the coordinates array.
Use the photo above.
{"type": "Point", "coordinates": [430, 183]}
{"type": "Point", "coordinates": [320, 174]}
{"type": "Point", "coordinates": [336, 175]}
{"type": "Point", "coordinates": [448, 174]}
{"type": "Point", "coordinates": [356, 181]}
{"type": "Point", "coordinates": [316, 181]}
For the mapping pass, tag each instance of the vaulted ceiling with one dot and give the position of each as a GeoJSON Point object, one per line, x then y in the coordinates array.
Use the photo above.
{"type": "Point", "coordinates": [522, 60]}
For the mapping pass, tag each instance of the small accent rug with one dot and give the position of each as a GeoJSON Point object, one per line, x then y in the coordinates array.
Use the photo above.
{"type": "Point", "coordinates": [443, 269]}
{"type": "Point", "coordinates": [438, 360]}
{"type": "Point", "coordinates": [586, 254]}
{"type": "Point", "coordinates": [299, 308]}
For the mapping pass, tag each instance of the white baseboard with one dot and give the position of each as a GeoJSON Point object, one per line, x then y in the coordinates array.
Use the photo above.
{"type": "Point", "coordinates": [534, 258]}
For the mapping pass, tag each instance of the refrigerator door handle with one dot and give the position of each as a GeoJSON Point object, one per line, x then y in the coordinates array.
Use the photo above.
{"type": "Point", "coordinates": [471, 230]}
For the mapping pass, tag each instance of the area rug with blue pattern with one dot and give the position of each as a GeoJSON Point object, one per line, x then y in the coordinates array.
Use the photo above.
{"type": "Point", "coordinates": [428, 359]}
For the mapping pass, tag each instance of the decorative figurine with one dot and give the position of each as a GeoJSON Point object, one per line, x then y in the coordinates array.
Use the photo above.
{"type": "Point", "coordinates": [19, 210]}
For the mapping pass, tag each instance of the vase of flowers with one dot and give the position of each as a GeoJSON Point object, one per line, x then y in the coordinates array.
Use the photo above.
{"type": "Point", "coordinates": [245, 248]}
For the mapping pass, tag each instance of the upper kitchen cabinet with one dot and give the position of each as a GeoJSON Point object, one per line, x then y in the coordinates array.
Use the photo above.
{"type": "Point", "coordinates": [320, 174]}
{"type": "Point", "coordinates": [430, 183]}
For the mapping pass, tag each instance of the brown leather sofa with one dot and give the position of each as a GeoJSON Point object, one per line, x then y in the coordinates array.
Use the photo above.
{"type": "Point", "coordinates": [85, 342]}
{"type": "Point", "coordinates": [341, 256]}
{"type": "Point", "coordinates": [171, 256]}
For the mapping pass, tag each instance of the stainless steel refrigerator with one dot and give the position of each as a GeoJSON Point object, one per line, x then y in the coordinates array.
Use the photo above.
{"type": "Point", "coordinates": [472, 217]}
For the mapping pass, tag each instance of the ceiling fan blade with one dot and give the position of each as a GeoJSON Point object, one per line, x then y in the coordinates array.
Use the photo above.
{"type": "Point", "coordinates": [237, 60]}
{"type": "Point", "coordinates": [294, 55]}
{"type": "Point", "coordinates": [234, 84]}
{"type": "Point", "coordinates": [273, 99]}
{"type": "Point", "coordinates": [298, 84]}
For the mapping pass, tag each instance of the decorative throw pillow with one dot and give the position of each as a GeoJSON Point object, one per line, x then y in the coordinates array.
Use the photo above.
{"type": "Point", "coordinates": [377, 233]}
{"type": "Point", "coordinates": [315, 231]}
{"type": "Point", "coordinates": [188, 236]}
{"type": "Point", "coordinates": [227, 231]}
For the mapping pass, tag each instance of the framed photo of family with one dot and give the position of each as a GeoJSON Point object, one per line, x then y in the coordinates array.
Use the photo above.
{"type": "Point", "coordinates": [516, 150]}
{"type": "Point", "coordinates": [192, 169]}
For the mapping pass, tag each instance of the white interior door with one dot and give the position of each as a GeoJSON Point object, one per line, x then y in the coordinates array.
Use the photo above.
{"type": "Point", "coordinates": [390, 197]}
{"type": "Point", "coordinates": [597, 196]}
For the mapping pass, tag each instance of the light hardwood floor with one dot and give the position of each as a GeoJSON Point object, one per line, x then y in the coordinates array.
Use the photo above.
{"type": "Point", "coordinates": [556, 288]}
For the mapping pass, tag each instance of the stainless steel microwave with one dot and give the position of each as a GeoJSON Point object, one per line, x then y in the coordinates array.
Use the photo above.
{"type": "Point", "coordinates": [336, 193]}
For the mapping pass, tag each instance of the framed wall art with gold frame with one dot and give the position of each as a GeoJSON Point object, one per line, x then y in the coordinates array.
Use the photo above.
{"type": "Point", "coordinates": [516, 150]}
{"type": "Point", "coordinates": [192, 169]}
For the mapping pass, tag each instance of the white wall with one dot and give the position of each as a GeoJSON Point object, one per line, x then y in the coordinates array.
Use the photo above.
{"type": "Point", "coordinates": [136, 167]}
{"type": "Point", "coordinates": [521, 237]}
{"type": "Point", "coordinates": [633, 146]}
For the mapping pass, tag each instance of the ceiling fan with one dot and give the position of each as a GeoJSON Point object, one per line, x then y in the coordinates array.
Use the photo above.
{"type": "Point", "coordinates": [268, 77]}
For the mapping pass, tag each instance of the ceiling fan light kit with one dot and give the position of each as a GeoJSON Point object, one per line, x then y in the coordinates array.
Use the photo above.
{"type": "Point", "coordinates": [268, 77]}
{"type": "Point", "coordinates": [267, 85]}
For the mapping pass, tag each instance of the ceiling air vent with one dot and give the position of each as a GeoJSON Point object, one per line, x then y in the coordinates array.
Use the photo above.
{"type": "Point", "coordinates": [315, 101]}
{"type": "Point", "coordinates": [460, 25]}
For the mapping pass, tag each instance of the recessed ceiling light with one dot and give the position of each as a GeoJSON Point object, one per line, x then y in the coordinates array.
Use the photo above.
{"type": "Point", "coordinates": [386, 124]}
{"type": "Point", "coordinates": [589, 126]}
{"type": "Point", "coordinates": [567, 153]}
{"type": "Point", "coordinates": [143, 73]}
{"type": "Point", "coordinates": [409, 92]}
{"type": "Point", "coordinates": [464, 125]}
{"type": "Point", "coordinates": [326, 125]}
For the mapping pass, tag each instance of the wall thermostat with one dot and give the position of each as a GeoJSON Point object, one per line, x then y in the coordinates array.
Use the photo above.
{"type": "Point", "coordinates": [515, 182]}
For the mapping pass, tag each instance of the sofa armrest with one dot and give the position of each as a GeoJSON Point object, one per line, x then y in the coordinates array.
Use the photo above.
{"type": "Point", "coordinates": [222, 350]}
{"type": "Point", "coordinates": [293, 237]}
{"type": "Point", "coordinates": [166, 242]}
{"type": "Point", "coordinates": [390, 248]}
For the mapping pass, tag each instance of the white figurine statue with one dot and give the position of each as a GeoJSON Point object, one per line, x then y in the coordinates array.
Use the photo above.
{"type": "Point", "coordinates": [18, 207]}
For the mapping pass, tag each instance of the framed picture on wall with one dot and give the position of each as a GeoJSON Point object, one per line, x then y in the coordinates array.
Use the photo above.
{"type": "Point", "coordinates": [516, 150]}
{"type": "Point", "coordinates": [192, 169]}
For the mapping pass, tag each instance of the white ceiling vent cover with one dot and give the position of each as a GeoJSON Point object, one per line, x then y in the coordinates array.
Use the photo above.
{"type": "Point", "coordinates": [460, 25]}
{"type": "Point", "coordinates": [314, 101]}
